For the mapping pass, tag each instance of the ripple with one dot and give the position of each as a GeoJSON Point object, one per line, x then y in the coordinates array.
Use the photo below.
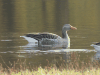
{"type": "Point", "coordinates": [49, 51]}
{"type": "Point", "coordinates": [6, 40]}
{"type": "Point", "coordinates": [3, 52]}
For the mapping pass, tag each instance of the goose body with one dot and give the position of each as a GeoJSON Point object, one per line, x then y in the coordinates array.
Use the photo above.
{"type": "Point", "coordinates": [96, 46]}
{"type": "Point", "coordinates": [49, 39]}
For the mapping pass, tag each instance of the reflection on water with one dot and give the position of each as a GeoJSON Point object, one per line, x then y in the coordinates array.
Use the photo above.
{"type": "Point", "coordinates": [20, 17]}
{"type": "Point", "coordinates": [37, 57]}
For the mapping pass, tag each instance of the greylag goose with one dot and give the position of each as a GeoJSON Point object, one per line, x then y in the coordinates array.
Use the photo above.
{"type": "Point", "coordinates": [96, 46]}
{"type": "Point", "coordinates": [49, 39]}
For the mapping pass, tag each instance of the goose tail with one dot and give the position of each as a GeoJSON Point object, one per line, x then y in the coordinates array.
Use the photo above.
{"type": "Point", "coordinates": [30, 40]}
{"type": "Point", "coordinates": [92, 45]}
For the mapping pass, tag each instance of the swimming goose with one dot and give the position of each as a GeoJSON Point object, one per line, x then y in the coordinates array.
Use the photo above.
{"type": "Point", "coordinates": [49, 39]}
{"type": "Point", "coordinates": [96, 46]}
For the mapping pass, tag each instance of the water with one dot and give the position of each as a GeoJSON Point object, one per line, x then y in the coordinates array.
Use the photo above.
{"type": "Point", "coordinates": [20, 17]}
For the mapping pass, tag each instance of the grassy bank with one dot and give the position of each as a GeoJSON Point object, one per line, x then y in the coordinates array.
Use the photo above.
{"type": "Point", "coordinates": [54, 71]}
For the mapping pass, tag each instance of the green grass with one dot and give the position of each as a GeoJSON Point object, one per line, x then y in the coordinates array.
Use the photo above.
{"type": "Point", "coordinates": [54, 71]}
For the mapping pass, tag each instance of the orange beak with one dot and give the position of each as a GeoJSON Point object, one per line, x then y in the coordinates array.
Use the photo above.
{"type": "Point", "coordinates": [73, 28]}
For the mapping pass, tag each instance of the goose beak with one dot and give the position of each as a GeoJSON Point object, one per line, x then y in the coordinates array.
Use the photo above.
{"type": "Point", "coordinates": [73, 28]}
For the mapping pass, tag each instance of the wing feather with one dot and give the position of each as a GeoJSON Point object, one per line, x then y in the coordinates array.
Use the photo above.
{"type": "Point", "coordinates": [40, 36]}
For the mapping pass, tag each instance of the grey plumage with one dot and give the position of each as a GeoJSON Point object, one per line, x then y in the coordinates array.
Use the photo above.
{"type": "Point", "coordinates": [40, 36]}
{"type": "Point", "coordinates": [52, 40]}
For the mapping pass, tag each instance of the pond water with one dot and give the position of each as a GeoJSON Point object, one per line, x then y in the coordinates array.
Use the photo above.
{"type": "Point", "coordinates": [20, 17]}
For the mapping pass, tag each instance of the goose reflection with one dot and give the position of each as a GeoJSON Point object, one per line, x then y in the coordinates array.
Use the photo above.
{"type": "Point", "coordinates": [49, 40]}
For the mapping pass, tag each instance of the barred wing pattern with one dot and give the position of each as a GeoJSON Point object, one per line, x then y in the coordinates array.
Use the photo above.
{"type": "Point", "coordinates": [41, 36]}
{"type": "Point", "coordinates": [46, 39]}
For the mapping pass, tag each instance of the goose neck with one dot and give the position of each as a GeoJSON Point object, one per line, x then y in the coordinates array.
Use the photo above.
{"type": "Point", "coordinates": [64, 34]}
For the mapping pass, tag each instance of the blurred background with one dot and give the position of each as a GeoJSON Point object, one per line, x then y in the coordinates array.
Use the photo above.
{"type": "Point", "coordinates": [18, 17]}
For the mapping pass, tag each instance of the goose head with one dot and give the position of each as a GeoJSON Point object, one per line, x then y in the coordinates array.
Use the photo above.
{"type": "Point", "coordinates": [66, 28]}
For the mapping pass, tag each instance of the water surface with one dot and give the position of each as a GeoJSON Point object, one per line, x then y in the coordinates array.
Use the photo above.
{"type": "Point", "coordinates": [20, 17]}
